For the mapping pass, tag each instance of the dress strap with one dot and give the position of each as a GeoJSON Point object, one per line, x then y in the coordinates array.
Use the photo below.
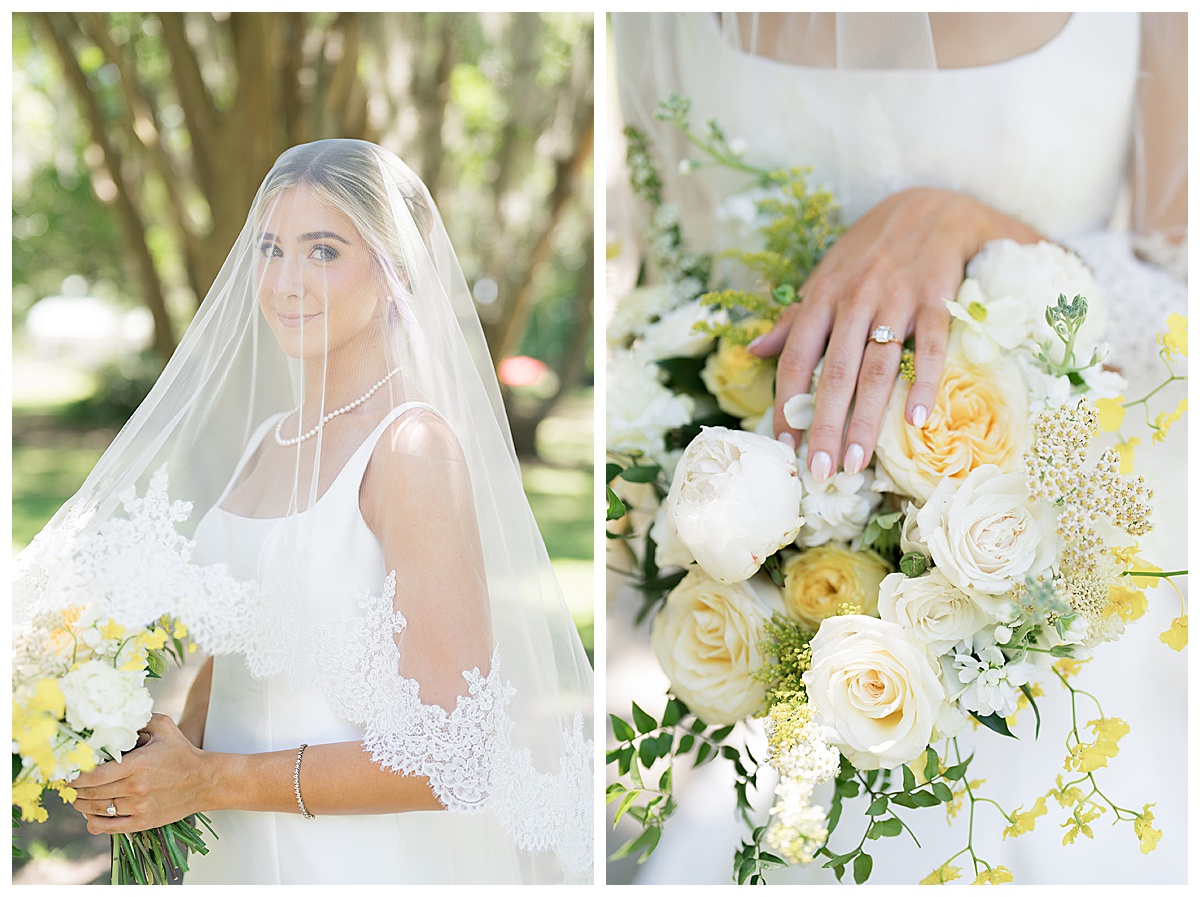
{"type": "Point", "coordinates": [251, 447]}
{"type": "Point", "coordinates": [356, 467]}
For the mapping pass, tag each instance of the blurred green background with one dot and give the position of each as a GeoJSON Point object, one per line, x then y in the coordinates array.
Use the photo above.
{"type": "Point", "coordinates": [139, 140]}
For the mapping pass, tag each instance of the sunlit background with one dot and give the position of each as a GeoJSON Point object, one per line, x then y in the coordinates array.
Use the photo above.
{"type": "Point", "coordinates": [139, 140]}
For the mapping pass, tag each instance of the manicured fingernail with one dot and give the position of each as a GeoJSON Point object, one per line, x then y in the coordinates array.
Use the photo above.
{"type": "Point", "coordinates": [788, 439]}
{"type": "Point", "coordinates": [819, 465]}
{"type": "Point", "coordinates": [853, 461]}
{"type": "Point", "coordinates": [919, 416]}
{"type": "Point", "coordinates": [755, 343]}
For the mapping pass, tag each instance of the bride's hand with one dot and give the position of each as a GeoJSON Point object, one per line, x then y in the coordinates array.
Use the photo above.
{"type": "Point", "coordinates": [892, 267]}
{"type": "Point", "coordinates": [161, 782]}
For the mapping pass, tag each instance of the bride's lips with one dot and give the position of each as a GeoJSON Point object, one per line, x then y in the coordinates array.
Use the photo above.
{"type": "Point", "coordinates": [294, 319]}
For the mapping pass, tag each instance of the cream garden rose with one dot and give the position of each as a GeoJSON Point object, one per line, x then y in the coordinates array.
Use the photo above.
{"type": "Point", "coordinates": [980, 417]}
{"type": "Point", "coordinates": [875, 685]}
{"type": "Point", "coordinates": [734, 501]}
{"type": "Point", "coordinates": [932, 608]}
{"type": "Point", "coordinates": [706, 638]}
{"type": "Point", "coordinates": [986, 534]}
{"type": "Point", "coordinates": [743, 384]}
{"type": "Point", "coordinates": [817, 582]}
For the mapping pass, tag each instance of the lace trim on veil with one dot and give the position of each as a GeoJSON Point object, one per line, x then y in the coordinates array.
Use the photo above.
{"type": "Point", "coordinates": [138, 568]}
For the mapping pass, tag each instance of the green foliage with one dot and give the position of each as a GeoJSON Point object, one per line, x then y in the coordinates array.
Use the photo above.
{"type": "Point", "coordinates": [882, 535]}
{"type": "Point", "coordinates": [787, 653]}
{"type": "Point", "coordinates": [746, 311]}
{"type": "Point", "coordinates": [124, 383]}
{"type": "Point", "coordinates": [913, 564]}
{"type": "Point", "coordinates": [750, 861]}
{"type": "Point", "coordinates": [1066, 319]}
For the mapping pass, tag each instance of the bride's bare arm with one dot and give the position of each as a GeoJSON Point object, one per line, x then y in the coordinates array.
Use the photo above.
{"type": "Point", "coordinates": [195, 708]}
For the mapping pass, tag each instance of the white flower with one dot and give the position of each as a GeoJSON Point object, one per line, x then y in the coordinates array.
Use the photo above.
{"type": "Point", "coordinates": [1045, 390]}
{"type": "Point", "coordinates": [706, 638]}
{"type": "Point", "coordinates": [878, 688]}
{"type": "Point", "coordinates": [638, 308]}
{"type": "Point", "coordinates": [932, 608]}
{"type": "Point", "coordinates": [1102, 384]}
{"type": "Point", "coordinates": [798, 411]}
{"type": "Point", "coordinates": [639, 408]}
{"type": "Point", "coordinates": [987, 325]}
{"type": "Point", "coordinates": [674, 334]}
{"type": "Point", "coordinates": [838, 508]}
{"type": "Point", "coordinates": [985, 533]}
{"type": "Point", "coordinates": [668, 550]}
{"type": "Point", "coordinates": [734, 501]}
{"type": "Point", "coordinates": [114, 704]}
{"type": "Point", "coordinates": [992, 682]}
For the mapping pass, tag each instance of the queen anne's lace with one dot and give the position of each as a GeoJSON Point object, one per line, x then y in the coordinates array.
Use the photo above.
{"type": "Point", "coordinates": [135, 569]}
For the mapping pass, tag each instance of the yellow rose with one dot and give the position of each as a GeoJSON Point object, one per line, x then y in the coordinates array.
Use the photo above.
{"type": "Point", "coordinates": [980, 417]}
{"type": "Point", "coordinates": [742, 384]}
{"type": "Point", "coordinates": [817, 582]}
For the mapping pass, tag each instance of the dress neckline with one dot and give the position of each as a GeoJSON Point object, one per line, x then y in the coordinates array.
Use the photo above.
{"type": "Point", "coordinates": [370, 440]}
{"type": "Point", "coordinates": [715, 29]}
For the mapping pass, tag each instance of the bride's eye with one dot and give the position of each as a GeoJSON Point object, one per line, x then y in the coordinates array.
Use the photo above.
{"type": "Point", "coordinates": [323, 253]}
{"type": "Point", "coordinates": [269, 250]}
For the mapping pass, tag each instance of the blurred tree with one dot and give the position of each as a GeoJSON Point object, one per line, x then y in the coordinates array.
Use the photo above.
{"type": "Point", "coordinates": [180, 115]}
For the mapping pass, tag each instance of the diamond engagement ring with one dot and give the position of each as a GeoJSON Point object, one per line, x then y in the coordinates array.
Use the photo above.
{"type": "Point", "coordinates": [112, 809]}
{"type": "Point", "coordinates": [884, 335]}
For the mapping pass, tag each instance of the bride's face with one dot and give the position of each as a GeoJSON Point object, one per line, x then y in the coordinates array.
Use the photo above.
{"type": "Point", "coordinates": [318, 287]}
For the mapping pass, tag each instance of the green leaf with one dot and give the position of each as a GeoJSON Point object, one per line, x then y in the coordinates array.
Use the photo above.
{"type": "Point", "coordinates": [1037, 714]}
{"type": "Point", "coordinates": [722, 733]}
{"type": "Point", "coordinates": [913, 564]}
{"type": "Point", "coordinates": [611, 469]}
{"type": "Point", "coordinates": [624, 806]}
{"type": "Point", "coordinates": [665, 741]}
{"type": "Point", "coordinates": [835, 814]}
{"type": "Point", "coordinates": [616, 507]}
{"type": "Point", "coordinates": [641, 474]}
{"type": "Point", "coordinates": [954, 773]}
{"type": "Point", "coordinates": [745, 867]}
{"type": "Point", "coordinates": [613, 791]}
{"type": "Point", "coordinates": [904, 800]}
{"type": "Point", "coordinates": [862, 868]}
{"type": "Point", "coordinates": [847, 788]}
{"type": "Point", "coordinates": [878, 806]}
{"type": "Point", "coordinates": [910, 780]}
{"type": "Point", "coordinates": [685, 744]}
{"type": "Point", "coordinates": [673, 713]}
{"type": "Point", "coordinates": [643, 720]}
{"type": "Point", "coordinates": [156, 664]}
{"type": "Point", "coordinates": [664, 781]}
{"type": "Point", "coordinates": [626, 760]}
{"type": "Point", "coordinates": [931, 764]}
{"type": "Point", "coordinates": [703, 753]}
{"type": "Point", "coordinates": [942, 792]}
{"type": "Point", "coordinates": [994, 722]}
{"type": "Point", "coordinates": [647, 752]}
{"type": "Point", "coordinates": [646, 842]}
{"type": "Point", "coordinates": [888, 828]}
{"type": "Point", "coordinates": [924, 799]}
{"type": "Point", "coordinates": [622, 731]}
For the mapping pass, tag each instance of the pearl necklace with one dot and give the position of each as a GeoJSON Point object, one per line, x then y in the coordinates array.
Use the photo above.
{"type": "Point", "coordinates": [328, 417]}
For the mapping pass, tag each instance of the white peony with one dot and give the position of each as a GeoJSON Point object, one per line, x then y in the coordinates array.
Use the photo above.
{"type": "Point", "coordinates": [932, 608]}
{"type": "Point", "coordinates": [674, 335]}
{"type": "Point", "coordinates": [878, 688]}
{"type": "Point", "coordinates": [112, 703]}
{"type": "Point", "coordinates": [836, 509]}
{"type": "Point", "coordinates": [985, 533]}
{"type": "Point", "coordinates": [668, 550]}
{"type": "Point", "coordinates": [639, 409]}
{"type": "Point", "coordinates": [706, 638]}
{"type": "Point", "coordinates": [734, 501]}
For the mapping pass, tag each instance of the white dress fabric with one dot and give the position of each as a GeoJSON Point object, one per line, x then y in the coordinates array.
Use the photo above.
{"type": "Point", "coordinates": [1045, 137]}
{"type": "Point", "coordinates": [248, 715]}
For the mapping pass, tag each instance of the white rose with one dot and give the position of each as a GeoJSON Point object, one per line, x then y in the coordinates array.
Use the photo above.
{"type": "Point", "coordinates": [639, 408]}
{"type": "Point", "coordinates": [932, 608]}
{"type": "Point", "coordinates": [706, 638]}
{"type": "Point", "coordinates": [674, 335]}
{"type": "Point", "coordinates": [734, 501]}
{"type": "Point", "coordinates": [878, 688]}
{"type": "Point", "coordinates": [985, 533]}
{"type": "Point", "coordinates": [637, 309]}
{"type": "Point", "coordinates": [113, 703]}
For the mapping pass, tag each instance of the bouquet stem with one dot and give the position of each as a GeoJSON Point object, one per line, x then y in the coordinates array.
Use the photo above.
{"type": "Point", "coordinates": [157, 856]}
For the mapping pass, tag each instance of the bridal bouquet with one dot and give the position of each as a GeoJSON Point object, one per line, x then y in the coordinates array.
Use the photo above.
{"type": "Point", "coordinates": [868, 618]}
{"type": "Point", "coordinates": [80, 665]}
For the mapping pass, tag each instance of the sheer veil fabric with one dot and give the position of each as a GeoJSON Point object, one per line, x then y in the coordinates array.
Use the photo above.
{"type": "Point", "coordinates": [1074, 124]}
{"type": "Point", "coordinates": [337, 356]}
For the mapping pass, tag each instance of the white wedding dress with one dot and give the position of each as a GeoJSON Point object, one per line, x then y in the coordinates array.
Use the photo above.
{"type": "Point", "coordinates": [249, 715]}
{"type": "Point", "coordinates": [1046, 138]}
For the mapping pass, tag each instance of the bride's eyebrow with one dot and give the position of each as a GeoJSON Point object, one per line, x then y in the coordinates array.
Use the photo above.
{"type": "Point", "coordinates": [323, 235]}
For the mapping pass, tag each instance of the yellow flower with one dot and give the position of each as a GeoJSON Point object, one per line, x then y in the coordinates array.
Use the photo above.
{"type": "Point", "coordinates": [1112, 413]}
{"type": "Point", "coordinates": [1125, 601]}
{"type": "Point", "coordinates": [1163, 421]}
{"type": "Point", "coordinates": [1147, 835]}
{"type": "Point", "coordinates": [1175, 638]}
{"type": "Point", "coordinates": [82, 756]}
{"type": "Point", "coordinates": [180, 630]}
{"type": "Point", "coordinates": [1090, 756]}
{"type": "Point", "coordinates": [112, 630]}
{"type": "Point", "coordinates": [1068, 667]}
{"type": "Point", "coordinates": [955, 804]}
{"type": "Point", "coordinates": [48, 698]}
{"type": "Point", "coordinates": [1023, 822]}
{"type": "Point", "coordinates": [154, 639]}
{"type": "Point", "coordinates": [1066, 796]}
{"type": "Point", "coordinates": [743, 384]}
{"type": "Point", "coordinates": [1174, 339]}
{"type": "Point", "coordinates": [817, 582]}
{"type": "Point", "coordinates": [1125, 453]}
{"type": "Point", "coordinates": [996, 876]}
{"type": "Point", "coordinates": [27, 794]}
{"type": "Point", "coordinates": [65, 791]}
{"type": "Point", "coordinates": [979, 417]}
{"type": "Point", "coordinates": [942, 874]}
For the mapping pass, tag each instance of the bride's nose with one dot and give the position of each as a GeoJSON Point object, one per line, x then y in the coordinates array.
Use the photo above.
{"type": "Point", "coordinates": [286, 276]}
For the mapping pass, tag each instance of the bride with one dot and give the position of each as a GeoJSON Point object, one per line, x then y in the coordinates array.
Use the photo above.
{"type": "Point", "coordinates": [936, 133]}
{"type": "Point", "coordinates": [397, 693]}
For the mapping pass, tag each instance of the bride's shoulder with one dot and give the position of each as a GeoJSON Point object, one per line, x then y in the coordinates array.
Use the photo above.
{"type": "Point", "coordinates": [418, 436]}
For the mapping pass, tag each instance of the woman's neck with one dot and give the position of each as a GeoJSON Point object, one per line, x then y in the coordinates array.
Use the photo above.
{"type": "Point", "coordinates": [350, 374]}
